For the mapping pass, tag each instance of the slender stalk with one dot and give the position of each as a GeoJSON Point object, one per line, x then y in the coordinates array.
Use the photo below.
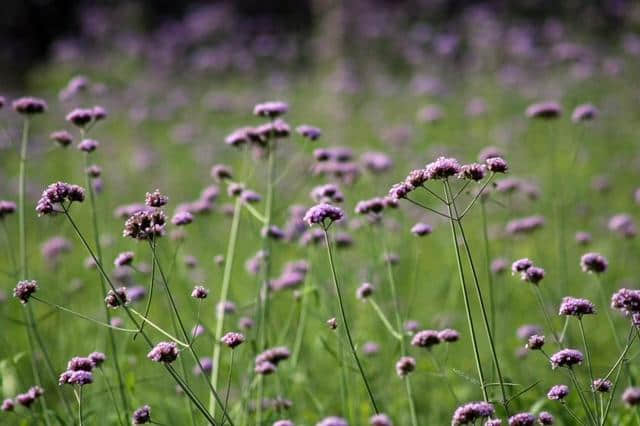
{"type": "Point", "coordinates": [185, 387]}
{"type": "Point", "coordinates": [80, 405]}
{"type": "Point", "coordinates": [96, 236]}
{"type": "Point", "coordinates": [152, 281]}
{"type": "Point", "coordinates": [631, 337]}
{"type": "Point", "coordinates": [112, 396]}
{"type": "Point", "coordinates": [12, 255]}
{"type": "Point", "coordinates": [427, 208]}
{"type": "Point", "coordinates": [226, 396]}
{"type": "Point", "coordinates": [487, 255]}
{"type": "Point", "coordinates": [158, 328]}
{"type": "Point", "coordinates": [571, 413]}
{"type": "Point", "coordinates": [345, 322]}
{"type": "Point", "coordinates": [583, 400]}
{"type": "Point", "coordinates": [465, 297]}
{"type": "Point", "coordinates": [443, 374]}
{"type": "Point", "coordinates": [385, 320]}
{"type": "Point", "coordinates": [543, 308]}
{"type": "Point", "coordinates": [21, 203]}
{"type": "Point", "coordinates": [224, 292]}
{"type": "Point", "coordinates": [464, 212]}
{"type": "Point", "coordinates": [589, 363]}
{"type": "Point", "coordinates": [603, 419]}
{"type": "Point", "coordinates": [603, 300]}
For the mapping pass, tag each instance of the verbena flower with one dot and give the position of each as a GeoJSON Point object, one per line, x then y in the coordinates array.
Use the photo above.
{"type": "Point", "coordinates": [283, 422]}
{"type": "Point", "coordinates": [7, 405]}
{"type": "Point", "coordinates": [576, 307]}
{"type": "Point", "coordinates": [421, 229]}
{"type": "Point", "coordinates": [232, 339]}
{"type": "Point", "coordinates": [199, 292]}
{"type": "Point", "coordinates": [226, 307]}
{"type": "Point", "coordinates": [6, 208]}
{"type": "Point", "coordinates": [207, 366]}
{"type": "Point", "coordinates": [136, 293]}
{"type": "Point", "coordinates": [370, 348]}
{"type": "Point", "coordinates": [29, 105]}
{"type": "Point", "coordinates": [80, 117]}
{"type": "Point", "coordinates": [493, 422]}
{"type": "Point", "coordinates": [165, 352]}
{"type": "Point", "coordinates": [532, 274]}
{"type": "Point", "coordinates": [380, 420]}
{"type": "Point", "coordinates": [332, 421]}
{"type": "Point", "coordinates": [328, 193]}
{"type": "Point", "coordinates": [631, 396]}
{"type": "Point", "coordinates": [545, 418]}
{"type": "Point", "coordinates": [373, 205]}
{"type": "Point", "coordinates": [526, 331]}
{"type": "Point", "coordinates": [79, 363]}
{"type": "Point", "coordinates": [145, 225]}
{"type": "Point", "coordinates": [56, 194]}
{"type": "Point", "coordinates": [405, 365]}
{"type": "Point", "coordinates": [472, 171]}
{"type": "Point", "coordinates": [221, 172]}
{"type": "Point", "coordinates": [24, 289]}
{"type": "Point", "coordinates": [142, 415]}
{"type": "Point", "coordinates": [584, 112]}
{"type": "Point", "coordinates": [558, 392]}
{"type": "Point", "coordinates": [98, 358]}
{"type": "Point", "coordinates": [124, 258]}
{"type": "Point", "coordinates": [448, 335]}
{"type": "Point", "coordinates": [593, 263]}
{"type": "Point", "coordinates": [88, 145]}
{"type": "Point", "coordinates": [273, 355]}
{"type": "Point", "coordinates": [309, 132]}
{"type": "Point", "coordinates": [442, 168]}
{"type": "Point", "coordinates": [520, 265]}
{"type": "Point", "coordinates": [80, 378]}
{"type": "Point", "coordinates": [499, 265]}
{"type": "Point", "coordinates": [182, 218]}
{"type": "Point", "coordinates": [525, 225]}
{"type": "Point", "coordinates": [602, 385]}
{"type": "Point", "coordinates": [566, 358]}
{"type": "Point", "coordinates": [627, 301]}
{"type": "Point", "coordinates": [544, 110]}
{"type": "Point", "coordinates": [271, 109]}
{"type": "Point", "coordinates": [321, 213]}
{"type": "Point", "coordinates": [535, 342]}
{"type": "Point", "coordinates": [265, 368]}
{"type": "Point", "coordinates": [425, 339]}
{"type": "Point", "coordinates": [522, 419]}
{"type": "Point", "coordinates": [376, 162]}
{"type": "Point", "coordinates": [623, 224]}
{"type": "Point", "coordinates": [497, 165]}
{"type": "Point", "coordinates": [332, 323]}
{"type": "Point", "coordinates": [364, 291]}
{"type": "Point", "coordinates": [117, 298]}
{"type": "Point", "coordinates": [472, 411]}
{"type": "Point", "coordinates": [156, 199]}
{"type": "Point", "coordinates": [583, 238]}
{"type": "Point", "coordinates": [400, 190]}
{"type": "Point", "coordinates": [489, 152]}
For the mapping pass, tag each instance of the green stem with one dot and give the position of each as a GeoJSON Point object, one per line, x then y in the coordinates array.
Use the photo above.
{"type": "Point", "coordinates": [226, 397]}
{"type": "Point", "coordinates": [605, 303]}
{"type": "Point", "coordinates": [589, 363]}
{"type": "Point", "coordinates": [346, 323]}
{"type": "Point", "coordinates": [384, 320]}
{"type": "Point", "coordinates": [487, 255]}
{"type": "Point", "coordinates": [112, 340]}
{"type": "Point", "coordinates": [80, 405]}
{"type": "Point", "coordinates": [158, 328]}
{"type": "Point", "coordinates": [21, 202]}
{"type": "Point", "coordinates": [224, 292]}
{"type": "Point", "coordinates": [583, 400]}
{"type": "Point", "coordinates": [112, 396]}
{"type": "Point", "coordinates": [12, 255]}
{"type": "Point", "coordinates": [543, 308]}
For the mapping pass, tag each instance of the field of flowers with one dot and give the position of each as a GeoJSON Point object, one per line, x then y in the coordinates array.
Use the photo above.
{"type": "Point", "coordinates": [382, 224]}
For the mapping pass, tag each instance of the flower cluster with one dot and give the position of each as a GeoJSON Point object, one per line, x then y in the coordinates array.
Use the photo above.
{"type": "Point", "coordinates": [24, 289]}
{"type": "Point", "coordinates": [405, 365]}
{"type": "Point", "coordinates": [576, 307]}
{"type": "Point", "coordinates": [165, 352]}
{"type": "Point", "coordinates": [145, 225]}
{"type": "Point", "coordinates": [267, 361]}
{"type": "Point", "coordinates": [232, 339]}
{"type": "Point", "coordinates": [321, 213]}
{"type": "Point", "coordinates": [6, 208]}
{"type": "Point", "coordinates": [471, 412]}
{"type": "Point", "coordinates": [57, 194]}
{"type": "Point", "coordinates": [626, 301]}
{"type": "Point", "coordinates": [593, 263]}
{"type": "Point", "coordinates": [528, 272]}
{"type": "Point", "coordinates": [79, 369]}
{"type": "Point", "coordinates": [566, 358]}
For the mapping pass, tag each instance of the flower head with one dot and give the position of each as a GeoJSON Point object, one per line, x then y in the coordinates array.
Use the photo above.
{"type": "Point", "coordinates": [6, 208]}
{"type": "Point", "coordinates": [80, 363]}
{"type": "Point", "coordinates": [142, 415]}
{"type": "Point", "coordinates": [544, 110]}
{"type": "Point", "coordinates": [448, 335]}
{"type": "Point", "coordinates": [405, 365]}
{"type": "Point", "coordinates": [472, 411]}
{"type": "Point", "coordinates": [532, 275]}
{"type": "Point", "coordinates": [165, 352]}
{"type": "Point", "coordinates": [199, 292]}
{"type": "Point", "coordinates": [309, 132]}
{"type": "Point", "coordinates": [497, 165]}
{"type": "Point", "coordinates": [576, 307]}
{"type": "Point", "coordinates": [29, 105]}
{"type": "Point", "coordinates": [472, 171]}
{"type": "Point", "coordinates": [442, 168]}
{"type": "Point", "coordinates": [627, 301]}
{"type": "Point", "coordinates": [145, 225]}
{"type": "Point", "coordinates": [124, 258]}
{"type": "Point", "coordinates": [182, 218]}
{"type": "Point", "coordinates": [24, 289]}
{"type": "Point", "coordinates": [115, 299]}
{"type": "Point", "coordinates": [88, 145]}
{"type": "Point", "coordinates": [320, 213]}
{"type": "Point", "coordinates": [545, 418]}
{"type": "Point", "coordinates": [364, 291]}
{"type": "Point", "coordinates": [80, 116]}
{"type": "Point", "coordinates": [232, 339]}
{"type": "Point", "coordinates": [522, 419]}
{"type": "Point", "coordinates": [558, 392]}
{"type": "Point", "coordinates": [593, 263]}
{"type": "Point", "coordinates": [426, 339]}
{"type": "Point", "coordinates": [623, 224]}
{"type": "Point", "coordinates": [98, 358]}
{"type": "Point", "coordinates": [520, 265]}
{"type": "Point", "coordinates": [421, 229]}
{"type": "Point", "coordinates": [7, 405]}
{"type": "Point", "coordinates": [535, 342]}
{"type": "Point", "coordinates": [332, 421]}
{"type": "Point", "coordinates": [271, 109]}
{"type": "Point", "coordinates": [566, 358]}
{"type": "Point", "coordinates": [156, 199]}
{"type": "Point", "coordinates": [584, 112]}
{"type": "Point", "coordinates": [631, 396]}
{"type": "Point", "coordinates": [380, 420]}
{"type": "Point", "coordinates": [602, 385]}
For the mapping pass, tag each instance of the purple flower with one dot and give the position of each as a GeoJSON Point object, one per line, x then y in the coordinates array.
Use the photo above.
{"type": "Point", "coordinates": [271, 109]}
{"type": "Point", "coordinates": [197, 330]}
{"type": "Point", "coordinates": [374, 205]}
{"type": "Point", "coordinates": [309, 132]}
{"type": "Point", "coordinates": [245, 323]}
{"type": "Point", "coordinates": [99, 113]}
{"type": "Point", "coordinates": [558, 392]}
{"type": "Point", "coordinates": [199, 292]}
{"type": "Point", "coordinates": [142, 415]}
{"type": "Point", "coordinates": [232, 339]}
{"type": "Point", "coordinates": [623, 225]}
{"type": "Point", "coordinates": [498, 266]}
{"type": "Point", "coordinates": [250, 197]}
{"type": "Point", "coordinates": [88, 145]}
{"type": "Point", "coordinates": [273, 355]}
{"type": "Point", "coordinates": [411, 326]}
{"type": "Point", "coordinates": [376, 162]}
{"type": "Point", "coordinates": [145, 225]}
{"type": "Point", "coordinates": [416, 178]}
{"type": "Point", "coordinates": [627, 301]}
{"type": "Point", "coordinates": [520, 265]}
{"type": "Point", "coordinates": [329, 193]}
{"type": "Point", "coordinates": [117, 298]}
{"type": "Point", "coordinates": [584, 112]}
{"type": "Point", "coordinates": [156, 199]}
{"type": "Point", "coordinates": [566, 358]}
{"type": "Point", "coordinates": [98, 358]}
{"type": "Point", "coordinates": [583, 238]}
{"type": "Point", "coordinates": [24, 289]}
{"type": "Point", "coordinates": [25, 399]}
{"type": "Point", "coordinates": [545, 110]}
{"type": "Point", "coordinates": [207, 366]}
{"type": "Point", "coordinates": [593, 263]}
{"type": "Point", "coordinates": [364, 291]}
{"type": "Point", "coordinates": [124, 258]}
{"type": "Point", "coordinates": [535, 342]}
{"type": "Point", "coordinates": [80, 378]}
{"type": "Point", "coordinates": [380, 420]}
{"type": "Point", "coordinates": [448, 335]}
{"type": "Point", "coordinates": [470, 412]}
{"type": "Point", "coordinates": [576, 307]}
{"type": "Point", "coordinates": [265, 368]}
{"type": "Point", "coordinates": [489, 152]}
{"type": "Point", "coordinates": [225, 307]}
{"type": "Point", "coordinates": [400, 190]}
{"type": "Point", "coordinates": [522, 419]}
{"type": "Point", "coordinates": [602, 385]}
{"type": "Point", "coordinates": [545, 418]}
{"type": "Point", "coordinates": [405, 365]}
{"type": "Point", "coordinates": [442, 168]}
{"type": "Point", "coordinates": [136, 293]}
{"type": "Point", "coordinates": [497, 165]}
{"type": "Point", "coordinates": [426, 339]}
{"type": "Point", "coordinates": [527, 331]}
{"type": "Point", "coordinates": [533, 275]}
{"type": "Point", "coordinates": [631, 396]}
{"type": "Point", "coordinates": [421, 229]}
{"type": "Point", "coordinates": [6, 208]}
{"type": "Point", "coordinates": [7, 405]}
{"type": "Point", "coordinates": [370, 348]}
{"type": "Point", "coordinates": [332, 421]}
{"type": "Point", "coordinates": [80, 116]}
{"type": "Point", "coordinates": [29, 105]}
{"type": "Point", "coordinates": [165, 352]}
{"type": "Point", "coordinates": [283, 423]}
{"type": "Point", "coordinates": [320, 213]}
{"type": "Point", "coordinates": [182, 218]}
{"type": "Point", "coordinates": [472, 171]}
{"type": "Point", "coordinates": [493, 422]}
{"type": "Point", "coordinates": [79, 363]}
{"type": "Point", "coordinates": [332, 323]}
{"type": "Point", "coordinates": [524, 225]}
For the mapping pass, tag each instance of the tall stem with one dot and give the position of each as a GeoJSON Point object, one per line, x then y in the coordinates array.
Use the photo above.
{"type": "Point", "coordinates": [21, 203]}
{"type": "Point", "coordinates": [226, 396]}
{"type": "Point", "coordinates": [547, 317]}
{"type": "Point", "coordinates": [80, 405]}
{"type": "Point", "coordinates": [226, 280]}
{"type": "Point", "coordinates": [112, 339]}
{"type": "Point", "coordinates": [345, 322]}
{"type": "Point", "coordinates": [487, 255]}
{"type": "Point", "coordinates": [589, 363]}
{"type": "Point", "coordinates": [483, 310]}
{"type": "Point", "coordinates": [465, 297]}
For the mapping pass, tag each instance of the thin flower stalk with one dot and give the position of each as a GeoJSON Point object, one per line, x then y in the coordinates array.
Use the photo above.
{"type": "Point", "coordinates": [226, 396]}
{"type": "Point", "coordinates": [483, 310]}
{"type": "Point", "coordinates": [344, 320]}
{"type": "Point", "coordinates": [587, 352]}
{"type": "Point", "coordinates": [487, 256]}
{"type": "Point", "coordinates": [112, 396]}
{"type": "Point", "coordinates": [467, 304]}
{"type": "Point", "coordinates": [224, 293]}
